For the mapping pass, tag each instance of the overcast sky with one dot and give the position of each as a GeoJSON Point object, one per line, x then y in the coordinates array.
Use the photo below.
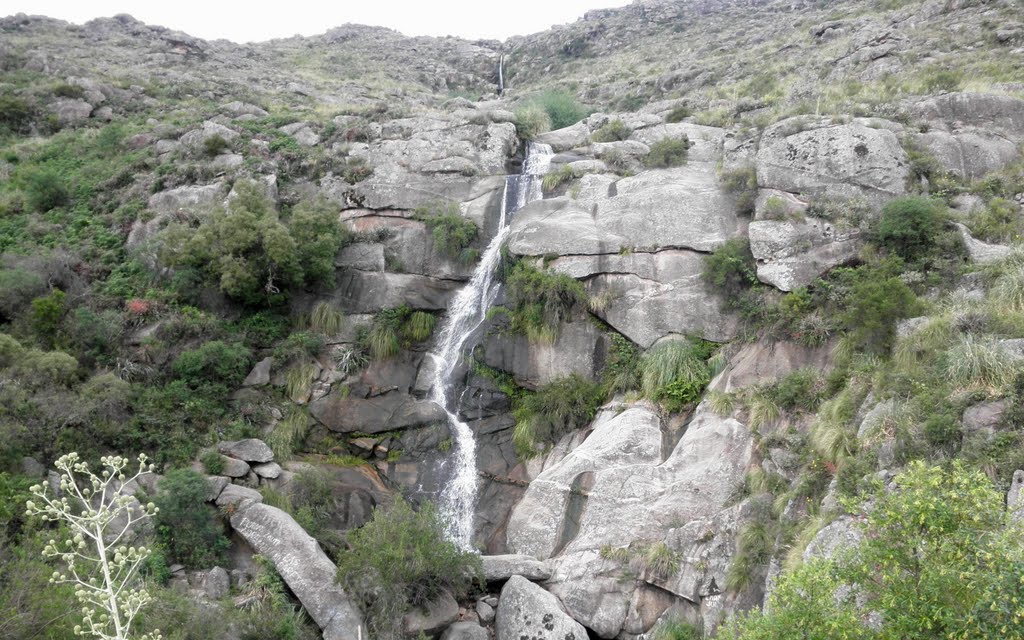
{"type": "Point", "coordinates": [255, 21]}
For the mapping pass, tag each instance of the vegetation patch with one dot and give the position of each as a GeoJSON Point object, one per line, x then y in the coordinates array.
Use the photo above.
{"type": "Point", "coordinates": [668, 152]}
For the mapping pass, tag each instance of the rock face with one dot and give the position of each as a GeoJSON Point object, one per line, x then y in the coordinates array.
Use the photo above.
{"type": "Point", "coordinates": [813, 156]}
{"type": "Point", "coordinates": [982, 252]}
{"type": "Point", "coordinates": [617, 477]}
{"type": "Point", "coordinates": [579, 348]}
{"type": "Point", "coordinates": [527, 611]}
{"type": "Point", "coordinates": [793, 254]}
{"type": "Point", "coordinates": [304, 567]}
{"type": "Point", "coordinates": [430, 620]}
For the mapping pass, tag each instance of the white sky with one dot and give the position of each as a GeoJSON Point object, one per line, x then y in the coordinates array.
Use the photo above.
{"type": "Point", "coordinates": [256, 21]}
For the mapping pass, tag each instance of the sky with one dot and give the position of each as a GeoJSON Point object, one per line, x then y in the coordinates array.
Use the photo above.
{"type": "Point", "coordinates": [258, 21]}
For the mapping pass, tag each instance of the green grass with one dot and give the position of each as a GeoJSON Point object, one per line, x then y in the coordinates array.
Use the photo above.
{"type": "Point", "coordinates": [668, 152]}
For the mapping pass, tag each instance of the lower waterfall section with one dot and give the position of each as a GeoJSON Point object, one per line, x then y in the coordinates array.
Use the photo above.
{"type": "Point", "coordinates": [466, 314]}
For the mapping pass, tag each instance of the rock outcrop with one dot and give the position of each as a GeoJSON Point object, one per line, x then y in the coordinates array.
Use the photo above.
{"type": "Point", "coordinates": [307, 571]}
{"type": "Point", "coordinates": [528, 611]}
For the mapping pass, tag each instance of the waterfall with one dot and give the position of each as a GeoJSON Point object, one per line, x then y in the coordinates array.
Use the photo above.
{"type": "Point", "coordinates": [501, 74]}
{"type": "Point", "coordinates": [465, 315]}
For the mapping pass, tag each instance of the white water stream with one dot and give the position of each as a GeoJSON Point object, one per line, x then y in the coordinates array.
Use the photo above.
{"type": "Point", "coordinates": [465, 315]}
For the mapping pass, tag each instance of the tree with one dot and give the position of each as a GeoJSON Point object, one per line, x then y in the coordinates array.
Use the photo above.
{"type": "Point", "coordinates": [186, 525]}
{"type": "Point", "coordinates": [250, 253]}
{"type": "Point", "coordinates": [99, 514]}
{"type": "Point", "coordinates": [940, 559]}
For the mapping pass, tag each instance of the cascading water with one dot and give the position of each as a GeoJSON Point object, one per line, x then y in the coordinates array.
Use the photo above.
{"type": "Point", "coordinates": [465, 315]}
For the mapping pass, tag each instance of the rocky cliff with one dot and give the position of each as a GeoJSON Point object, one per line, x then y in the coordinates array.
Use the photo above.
{"type": "Point", "coordinates": [798, 124]}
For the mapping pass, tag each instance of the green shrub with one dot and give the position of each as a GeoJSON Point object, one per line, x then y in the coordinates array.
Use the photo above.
{"type": "Point", "coordinates": [910, 226]}
{"type": "Point", "coordinates": [541, 300]}
{"type": "Point", "coordinates": [212, 462]}
{"type": "Point", "coordinates": [452, 232]}
{"type": "Point", "coordinates": [555, 409]}
{"type": "Point", "coordinates": [356, 169]}
{"type": "Point", "coordinates": [875, 301]}
{"type": "Point", "coordinates": [668, 152]}
{"type": "Point", "coordinates": [531, 121]}
{"type": "Point", "coordinates": [186, 525]}
{"type": "Point", "coordinates": [45, 190]}
{"type": "Point", "coordinates": [731, 269]}
{"type": "Point", "coordinates": [612, 131]}
{"type": "Point", "coordinates": [1000, 221]}
{"type": "Point", "coordinates": [401, 560]}
{"type": "Point", "coordinates": [250, 253]}
{"type": "Point", "coordinates": [562, 107]}
{"type": "Point", "coordinates": [978, 363]}
{"type": "Point", "coordinates": [678, 114]}
{"type": "Point", "coordinates": [622, 366]}
{"type": "Point", "coordinates": [742, 183]}
{"type": "Point", "coordinates": [802, 389]}
{"type": "Point", "coordinates": [15, 114]}
{"type": "Point", "coordinates": [215, 145]}
{"type": "Point", "coordinates": [47, 316]}
{"type": "Point", "coordinates": [17, 288]}
{"type": "Point", "coordinates": [214, 362]}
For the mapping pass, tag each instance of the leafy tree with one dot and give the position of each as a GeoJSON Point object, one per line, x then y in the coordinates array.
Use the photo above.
{"type": "Point", "coordinates": [940, 559]}
{"type": "Point", "coordinates": [47, 315]}
{"type": "Point", "coordinates": [251, 253]}
{"type": "Point", "coordinates": [910, 226]}
{"type": "Point", "coordinates": [185, 524]}
{"type": "Point", "coordinates": [99, 515]}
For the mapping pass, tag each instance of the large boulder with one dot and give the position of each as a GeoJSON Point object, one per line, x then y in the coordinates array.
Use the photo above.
{"type": "Point", "coordinates": [465, 631]}
{"type": "Point", "coordinates": [208, 131]}
{"type": "Point", "coordinates": [648, 296]}
{"type": "Point", "coordinates": [992, 112]}
{"type": "Point", "coordinates": [432, 618]}
{"type": "Point", "coordinates": [792, 254]}
{"type": "Point", "coordinates": [250, 450]}
{"type": "Point", "coordinates": [192, 198]}
{"type": "Point", "coordinates": [305, 568]}
{"type": "Point", "coordinates": [969, 155]}
{"type": "Point", "coordinates": [374, 414]}
{"type": "Point", "coordinates": [71, 111]}
{"type": "Point", "coordinates": [501, 568]}
{"type": "Point", "coordinates": [369, 292]}
{"type": "Point", "coordinates": [815, 157]}
{"type": "Point", "coordinates": [528, 611]}
{"type": "Point", "coordinates": [619, 476]}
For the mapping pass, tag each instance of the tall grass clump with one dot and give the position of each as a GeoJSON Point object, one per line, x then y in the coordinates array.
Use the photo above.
{"type": "Point", "coordinates": [676, 372]}
{"type": "Point", "coordinates": [978, 363]}
{"type": "Point", "coordinates": [540, 300]}
{"type": "Point", "coordinates": [325, 319]}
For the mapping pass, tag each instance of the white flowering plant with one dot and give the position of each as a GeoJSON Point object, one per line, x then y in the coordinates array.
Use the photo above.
{"type": "Point", "coordinates": [99, 514]}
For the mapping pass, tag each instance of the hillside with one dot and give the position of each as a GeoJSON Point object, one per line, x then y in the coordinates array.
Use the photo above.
{"type": "Point", "coordinates": [709, 324]}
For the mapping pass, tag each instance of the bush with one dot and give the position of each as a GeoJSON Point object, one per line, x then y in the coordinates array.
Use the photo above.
{"type": "Point", "coordinates": [678, 114]}
{"type": "Point", "coordinates": [251, 254]}
{"type": "Point", "coordinates": [186, 525]}
{"type": "Point", "coordinates": [731, 269]}
{"type": "Point", "coordinates": [15, 114]}
{"type": "Point", "coordinates": [215, 362]}
{"type": "Point", "coordinates": [562, 107]}
{"type": "Point", "coordinates": [541, 300]}
{"type": "Point", "coordinates": [45, 190]}
{"type": "Point", "coordinates": [1000, 221]}
{"type": "Point", "coordinates": [17, 288]}
{"type": "Point", "coordinates": [215, 145]}
{"type": "Point", "coordinates": [47, 316]}
{"type": "Point", "coordinates": [612, 131]}
{"type": "Point", "coordinates": [452, 233]}
{"type": "Point", "coordinates": [875, 301]}
{"type": "Point", "coordinates": [212, 462]}
{"type": "Point", "coordinates": [393, 329]}
{"type": "Point", "coordinates": [910, 226]}
{"type": "Point", "coordinates": [557, 408]}
{"type": "Point", "coordinates": [531, 121]}
{"type": "Point", "coordinates": [668, 152]}
{"type": "Point", "coordinates": [742, 183]}
{"type": "Point", "coordinates": [401, 560]}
